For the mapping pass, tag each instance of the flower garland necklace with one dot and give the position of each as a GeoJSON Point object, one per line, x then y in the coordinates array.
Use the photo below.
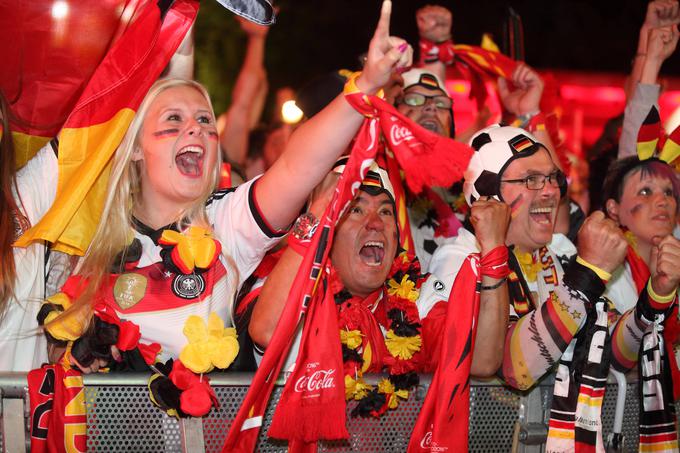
{"type": "Point", "coordinates": [402, 341]}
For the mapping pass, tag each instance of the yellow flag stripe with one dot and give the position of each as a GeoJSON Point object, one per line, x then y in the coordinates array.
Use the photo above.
{"type": "Point", "coordinates": [26, 146]}
{"type": "Point", "coordinates": [83, 181]}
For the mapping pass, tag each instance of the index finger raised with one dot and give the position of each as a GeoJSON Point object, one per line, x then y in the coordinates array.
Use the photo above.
{"type": "Point", "coordinates": [383, 28]}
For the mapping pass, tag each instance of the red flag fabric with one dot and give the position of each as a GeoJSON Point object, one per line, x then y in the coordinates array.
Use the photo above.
{"type": "Point", "coordinates": [100, 118]}
{"type": "Point", "coordinates": [58, 415]}
{"type": "Point", "coordinates": [51, 61]}
{"type": "Point", "coordinates": [443, 421]}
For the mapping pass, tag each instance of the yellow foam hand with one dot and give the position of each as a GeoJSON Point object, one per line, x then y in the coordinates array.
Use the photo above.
{"type": "Point", "coordinates": [194, 248]}
{"type": "Point", "coordinates": [210, 345]}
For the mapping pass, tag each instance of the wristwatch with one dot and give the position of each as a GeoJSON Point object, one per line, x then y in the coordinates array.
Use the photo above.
{"type": "Point", "coordinates": [304, 227]}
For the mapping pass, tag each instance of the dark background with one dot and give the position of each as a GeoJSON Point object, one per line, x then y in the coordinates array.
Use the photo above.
{"type": "Point", "coordinates": [316, 36]}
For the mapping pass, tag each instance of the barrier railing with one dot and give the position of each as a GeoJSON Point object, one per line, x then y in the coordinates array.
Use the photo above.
{"type": "Point", "coordinates": [120, 417]}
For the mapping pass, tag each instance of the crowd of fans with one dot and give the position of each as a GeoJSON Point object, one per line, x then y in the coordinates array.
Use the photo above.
{"type": "Point", "coordinates": [565, 288]}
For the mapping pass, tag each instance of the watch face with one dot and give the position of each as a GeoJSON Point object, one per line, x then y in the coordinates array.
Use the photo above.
{"type": "Point", "coordinates": [304, 227]}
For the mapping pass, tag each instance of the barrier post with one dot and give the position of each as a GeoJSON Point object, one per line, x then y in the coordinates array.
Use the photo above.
{"type": "Point", "coordinates": [13, 425]}
{"type": "Point", "coordinates": [192, 435]}
{"type": "Point", "coordinates": [533, 430]}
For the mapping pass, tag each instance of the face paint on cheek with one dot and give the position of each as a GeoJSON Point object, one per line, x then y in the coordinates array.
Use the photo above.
{"type": "Point", "coordinates": [635, 209]}
{"type": "Point", "coordinates": [167, 133]}
{"type": "Point", "coordinates": [515, 205]}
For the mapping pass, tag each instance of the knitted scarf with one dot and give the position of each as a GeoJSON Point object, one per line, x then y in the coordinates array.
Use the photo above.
{"type": "Point", "coordinates": [655, 373]}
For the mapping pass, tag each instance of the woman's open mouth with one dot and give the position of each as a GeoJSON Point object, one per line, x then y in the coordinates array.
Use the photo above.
{"type": "Point", "coordinates": [189, 161]}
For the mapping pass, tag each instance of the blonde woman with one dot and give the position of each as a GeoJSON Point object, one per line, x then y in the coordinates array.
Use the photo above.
{"type": "Point", "coordinates": [167, 246]}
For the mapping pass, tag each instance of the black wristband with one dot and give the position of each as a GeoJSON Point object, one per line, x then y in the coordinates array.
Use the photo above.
{"type": "Point", "coordinates": [494, 286]}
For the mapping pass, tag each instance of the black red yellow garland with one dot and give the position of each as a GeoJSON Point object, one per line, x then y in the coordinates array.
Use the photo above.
{"type": "Point", "coordinates": [402, 339]}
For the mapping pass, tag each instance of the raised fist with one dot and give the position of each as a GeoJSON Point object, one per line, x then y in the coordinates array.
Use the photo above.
{"type": "Point", "coordinates": [662, 13]}
{"type": "Point", "coordinates": [664, 265]}
{"type": "Point", "coordinates": [491, 219]}
{"type": "Point", "coordinates": [662, 43]}
{"type": "Point", "coordinates": [434, 23]}
{"type": "Point", "coordinates": [601, 242]}
{"type": "Point", "coordinates": [525, 95]}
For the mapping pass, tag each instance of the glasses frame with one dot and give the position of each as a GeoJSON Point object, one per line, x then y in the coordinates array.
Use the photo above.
{"type": "Point", "coordinates": [541, 182]}
{"type": "Point", "coordinates": [427, 99]}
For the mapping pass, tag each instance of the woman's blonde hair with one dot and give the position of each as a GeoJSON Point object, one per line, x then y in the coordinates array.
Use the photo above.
{"type": "Point", "coordinates": [115, 230]}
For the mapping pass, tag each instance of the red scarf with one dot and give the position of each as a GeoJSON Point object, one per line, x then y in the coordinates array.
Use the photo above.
{"type": "Point", "coordinates": [414, 148]}
{"type": "Point", "coordinates": [316, 389]}
{"type": "Point", "coordinates": [444, 418]}
{"type": "Point", "coordinates": [54, 429]}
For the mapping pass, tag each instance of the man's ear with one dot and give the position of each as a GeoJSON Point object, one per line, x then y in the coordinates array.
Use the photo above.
{"type": "Point", "coordinates": [612, 208]}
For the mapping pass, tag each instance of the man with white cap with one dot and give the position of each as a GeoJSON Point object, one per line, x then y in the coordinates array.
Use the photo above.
{"type": "Point", "coordinates": [548, 301]}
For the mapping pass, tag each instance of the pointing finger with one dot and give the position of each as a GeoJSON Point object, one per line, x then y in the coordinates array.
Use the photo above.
{"type": "Point", "coordinates": [383, 28]}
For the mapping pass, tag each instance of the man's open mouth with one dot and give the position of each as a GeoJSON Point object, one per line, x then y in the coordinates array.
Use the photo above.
{"type": "Point", "coordinates": [372, 253]}
{"type": "Point", "coordinates": [542, 215]}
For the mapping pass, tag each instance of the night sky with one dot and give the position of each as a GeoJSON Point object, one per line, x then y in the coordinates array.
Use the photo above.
{"type": "Point", "coordinates": [316, 36]}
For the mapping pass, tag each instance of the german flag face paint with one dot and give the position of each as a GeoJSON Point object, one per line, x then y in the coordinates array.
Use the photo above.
{"type": "Point", "coordinates": [179, 147]}
{"type": "Point", "coordinates": [647, 206]}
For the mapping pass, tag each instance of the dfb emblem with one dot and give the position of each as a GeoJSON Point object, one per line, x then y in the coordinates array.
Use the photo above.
{"type": "Point", "coordinates": [188, 286]}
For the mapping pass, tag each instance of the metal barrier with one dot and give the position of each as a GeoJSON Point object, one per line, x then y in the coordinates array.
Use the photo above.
{"type": "Point", "coordinates": [120, 417]}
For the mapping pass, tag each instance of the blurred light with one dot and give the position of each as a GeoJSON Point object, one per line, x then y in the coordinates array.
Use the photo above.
{"type": "Point", "coordinates": [290, 112]}
{"type": "Point", "coordinates": [59, 9]}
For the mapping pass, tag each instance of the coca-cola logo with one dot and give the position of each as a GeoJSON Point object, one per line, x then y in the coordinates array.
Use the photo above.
{"type": "Point", "coordinates": [321, 379]}
{"type": "Point", "coordinates": [399, 134]}
{"type": "Point", "coordinates": [427, 444]}
{"type": "Point", "coordinates": [426, 441]}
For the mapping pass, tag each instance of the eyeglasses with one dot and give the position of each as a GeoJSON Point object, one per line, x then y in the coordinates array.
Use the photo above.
{"type": "Point", "coordinates": [418, 100]}
{"type": "Point", "coordinates": [537, 182]}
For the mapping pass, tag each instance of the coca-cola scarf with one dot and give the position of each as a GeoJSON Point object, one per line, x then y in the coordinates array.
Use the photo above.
{"type": "Point", "coordinates": [425, 157]}
{"type": "Point", "coordinates": [315, 390]}
{"type": "Point", "coordinates": [444, 418]}
{"type": "Point", "coordinates": [58, 415]}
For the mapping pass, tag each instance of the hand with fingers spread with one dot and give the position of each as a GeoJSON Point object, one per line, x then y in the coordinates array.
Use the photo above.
{"type": "Point", "coordinates": [664, 265]}
{"type": "Point", "coordinates": [601, 242]}
{"type": "Point", "coordinates": [490, 218]}
{"type": "Point", "coordinates": [662, 13]}
{"type": "Point", "coordinates": [434, 23]}
{"type": "Point", "coordinates": [385, 54]}
{"type": "Point", "coordinates": [525, 97]}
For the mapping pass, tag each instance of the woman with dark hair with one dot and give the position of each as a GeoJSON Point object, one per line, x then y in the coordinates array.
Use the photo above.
{"type": "Point", "coordinates": [642, 197]}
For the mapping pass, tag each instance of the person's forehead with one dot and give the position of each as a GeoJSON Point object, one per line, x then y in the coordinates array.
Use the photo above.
{"type": "Point", "coordinates": [638, 177]}
{"type": "Point", "coordinates": [367, 198]}
{"type": "Point", "coordinates": [425, 90]}
{"type": "Point", "coordinates": [180, 97]}
{"type": "Point", "coordinates": [538, 162]}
